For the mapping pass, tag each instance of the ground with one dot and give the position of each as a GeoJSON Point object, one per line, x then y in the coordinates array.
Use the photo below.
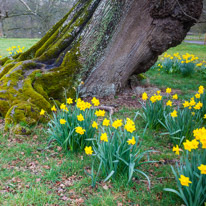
{"type": "Point", "coordinates": [33, 174]}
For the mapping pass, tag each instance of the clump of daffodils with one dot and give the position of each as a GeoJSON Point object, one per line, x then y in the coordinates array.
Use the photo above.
{"type": "Point", "coordinates": [73, 123]}
{"type": "Point", "coordinates": [162, 110]}
{"type": "Point", "coordinates": [190, 173]}
{"type": "Point", "coordinates": [116, 148]}
{"type": "Point", "coordinates": [15, 50]}
{"type": "Point", "coordinates": [154, 108]}
{"type": "Point", "coordinates": [185, 64]}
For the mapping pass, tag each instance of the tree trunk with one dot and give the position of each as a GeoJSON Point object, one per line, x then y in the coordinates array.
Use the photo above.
{"type": "Point", "coordinates": [1, 28]}
{"type": "Point", "coordinates": [99, 42]}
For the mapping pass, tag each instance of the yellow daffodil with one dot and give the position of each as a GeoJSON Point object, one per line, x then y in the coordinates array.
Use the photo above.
{"type": "Point", "coordinates": [63, 106]}
{"type": "Point", "coordinates": [88, 150]}
{"type": "Point", "coordinates": [144, 96]}
{"type": "Point", "coordinates": [153, 99]}
{"type": "Point", "coordinates": [69, 101]}
{"type": "Point", "coordinates": [95, 102]}
{"type": "Point", "coordinates": [53, 109]}
{"type": "Point", "coordinates": [195, 143]}
{"type": "Point", "coordinates": [117, 123]}
{"type": "Point", "coordinates": [204, 116]}
{"type": "Point", "coordinates": [103, 137]}
{"type": "Point", "coordinates": [198, 106]}
{"type": "Point", "coordinates": [175, 96]}
{"type": "Point", "coordinates": [106, 122]}
{"type": "Point", "coordinates": [186, 104]}
{"type": "Point", "coordinates": [168, 90]}
{"type": "Point", "coordinates": [176, 150]}
{"type": "Point", "coordinates": [80, 117]}
{"type": "Point", "coordinates": [62, 121]}
{"type": "Point", "coordinates": [169, 103]}
{"type": "Point", "coordinates": [202, 168]}
{"type": "Point", "coordinates": [184, 180]}
{"type": "Point", "coordinates": [197, 96]}
{"type": "Point", "coordinates": [95, 125]}
{"type": "Point", "coordinates": [42, 112]}
{"type": "Point", "coordinates": [131, 141]}
{"type": "Point", "coordinates": [130, 126]}
{"type": "Point", "coordinates": [174, 113]}
{"type": "Point", "coordinates": [188, 145]}
{"type": "Point", "coordinates": [100, 113]}
{"type": "Point", "coordinates": [80, 130]}
{"type": "Point", "coordinates": [159, 97]}
{"type": "Point", "coordinates": [201, 90]}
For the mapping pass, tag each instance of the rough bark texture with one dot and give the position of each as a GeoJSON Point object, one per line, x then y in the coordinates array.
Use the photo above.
{"type": "Point", "coordinates": [100, 42]}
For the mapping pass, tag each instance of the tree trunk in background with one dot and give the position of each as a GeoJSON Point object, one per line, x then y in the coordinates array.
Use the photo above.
{"type": "Point", "coordinates": [1, 29]}
{"type": "Point", "coordinates": [99, 42]}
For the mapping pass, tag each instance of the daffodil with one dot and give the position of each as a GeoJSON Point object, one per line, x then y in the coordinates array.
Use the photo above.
{"type": "Point", "coordinates": [104, 137]}
{"type": "Point", "coordinates": [130, 126]}
{"type": "Point", "coordinates": [95, 102]}
{"type": "Point", "coordinates": [42, 112]}
{"type": "Point", "coordinates": [184, 180]}
{"type": "Point", "coordinates": [186, 104]}
{"type": "Point", "coordinates": [174, 113]}
{"type": "Point", "coordinates": [169, 103]}
{"type": "Point", "coordinates": [100, 113]}
{"type": "Point", "coordinates": [188, 145]}
{"type": "Point", "coordinates": [117, 123]}
{"type": "Point", "coordinates": [106, 122]}
{"type": "Point", "coordinates": [63, 106]}
{"type": "Point", "coordinates": [176, 150]}
{"type": "Point", "coordinates": [175, 96]}
{"type": "Point", "coordinates": [62, 121]}
{"type": "Point", "coordinates": [202, 168]}
{"type": "Point", "coordinates": [88, 150]}
{"type": "Point", "coordinates": [131, 141]}
{"type": "Point", "coordinates": [53, 109]}
{"type": "Point", "coordinates": [197, 96]}
{"type": "Point", "coordinates": [168, 90]}
{"type": "Point", "coordinates": [95, 125]}
{"type": "Point", "coordinates": [69, 101]}
{"type": "Point", "coordinates": [80, 130]}
{"type": "Point", "coordinates": [144, 96]}
{"type": "Point", "coordinates": [80, 117]}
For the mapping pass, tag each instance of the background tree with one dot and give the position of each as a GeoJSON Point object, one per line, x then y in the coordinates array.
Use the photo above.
{"type": "Point", "coordinates": [99, 42]}
{"type": "Point", "coordinates": [32, 18]}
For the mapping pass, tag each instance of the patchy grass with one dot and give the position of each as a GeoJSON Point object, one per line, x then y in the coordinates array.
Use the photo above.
{"type": "Point", "coordinates": [32, 176]}
{"type": "Point", "coordinates": [6, 43]}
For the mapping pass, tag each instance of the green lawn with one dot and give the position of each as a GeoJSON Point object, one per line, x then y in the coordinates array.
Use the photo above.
{"type": "Point", "coordinates": [33, 174]}
{"type": "Point", "coordinates": [6, 43]}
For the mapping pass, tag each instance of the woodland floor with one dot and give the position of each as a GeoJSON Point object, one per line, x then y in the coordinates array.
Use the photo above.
{"type": "Point", "coordinates": [32, 174]}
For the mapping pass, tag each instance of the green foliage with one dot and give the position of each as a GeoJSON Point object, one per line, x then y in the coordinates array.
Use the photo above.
{"type": "Point", "coordinates": [153, 112]}
{"type": "Point", "coordinates": [182, 126]}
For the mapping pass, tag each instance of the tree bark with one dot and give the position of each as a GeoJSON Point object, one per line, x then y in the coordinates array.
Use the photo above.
{"type": "Point", "coordinates": [1, 29]}
{"type": "Point", "coordinates": [99, 42]}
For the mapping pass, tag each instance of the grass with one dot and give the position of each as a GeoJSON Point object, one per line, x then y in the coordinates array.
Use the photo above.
{"type": "Point", "coordinates": [6, 43]}
{"type": "Point", "coordinates": [33, 174]}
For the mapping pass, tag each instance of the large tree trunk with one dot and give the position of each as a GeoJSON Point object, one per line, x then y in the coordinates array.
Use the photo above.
{"type": "Point", "coordinates": [99, 42]}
